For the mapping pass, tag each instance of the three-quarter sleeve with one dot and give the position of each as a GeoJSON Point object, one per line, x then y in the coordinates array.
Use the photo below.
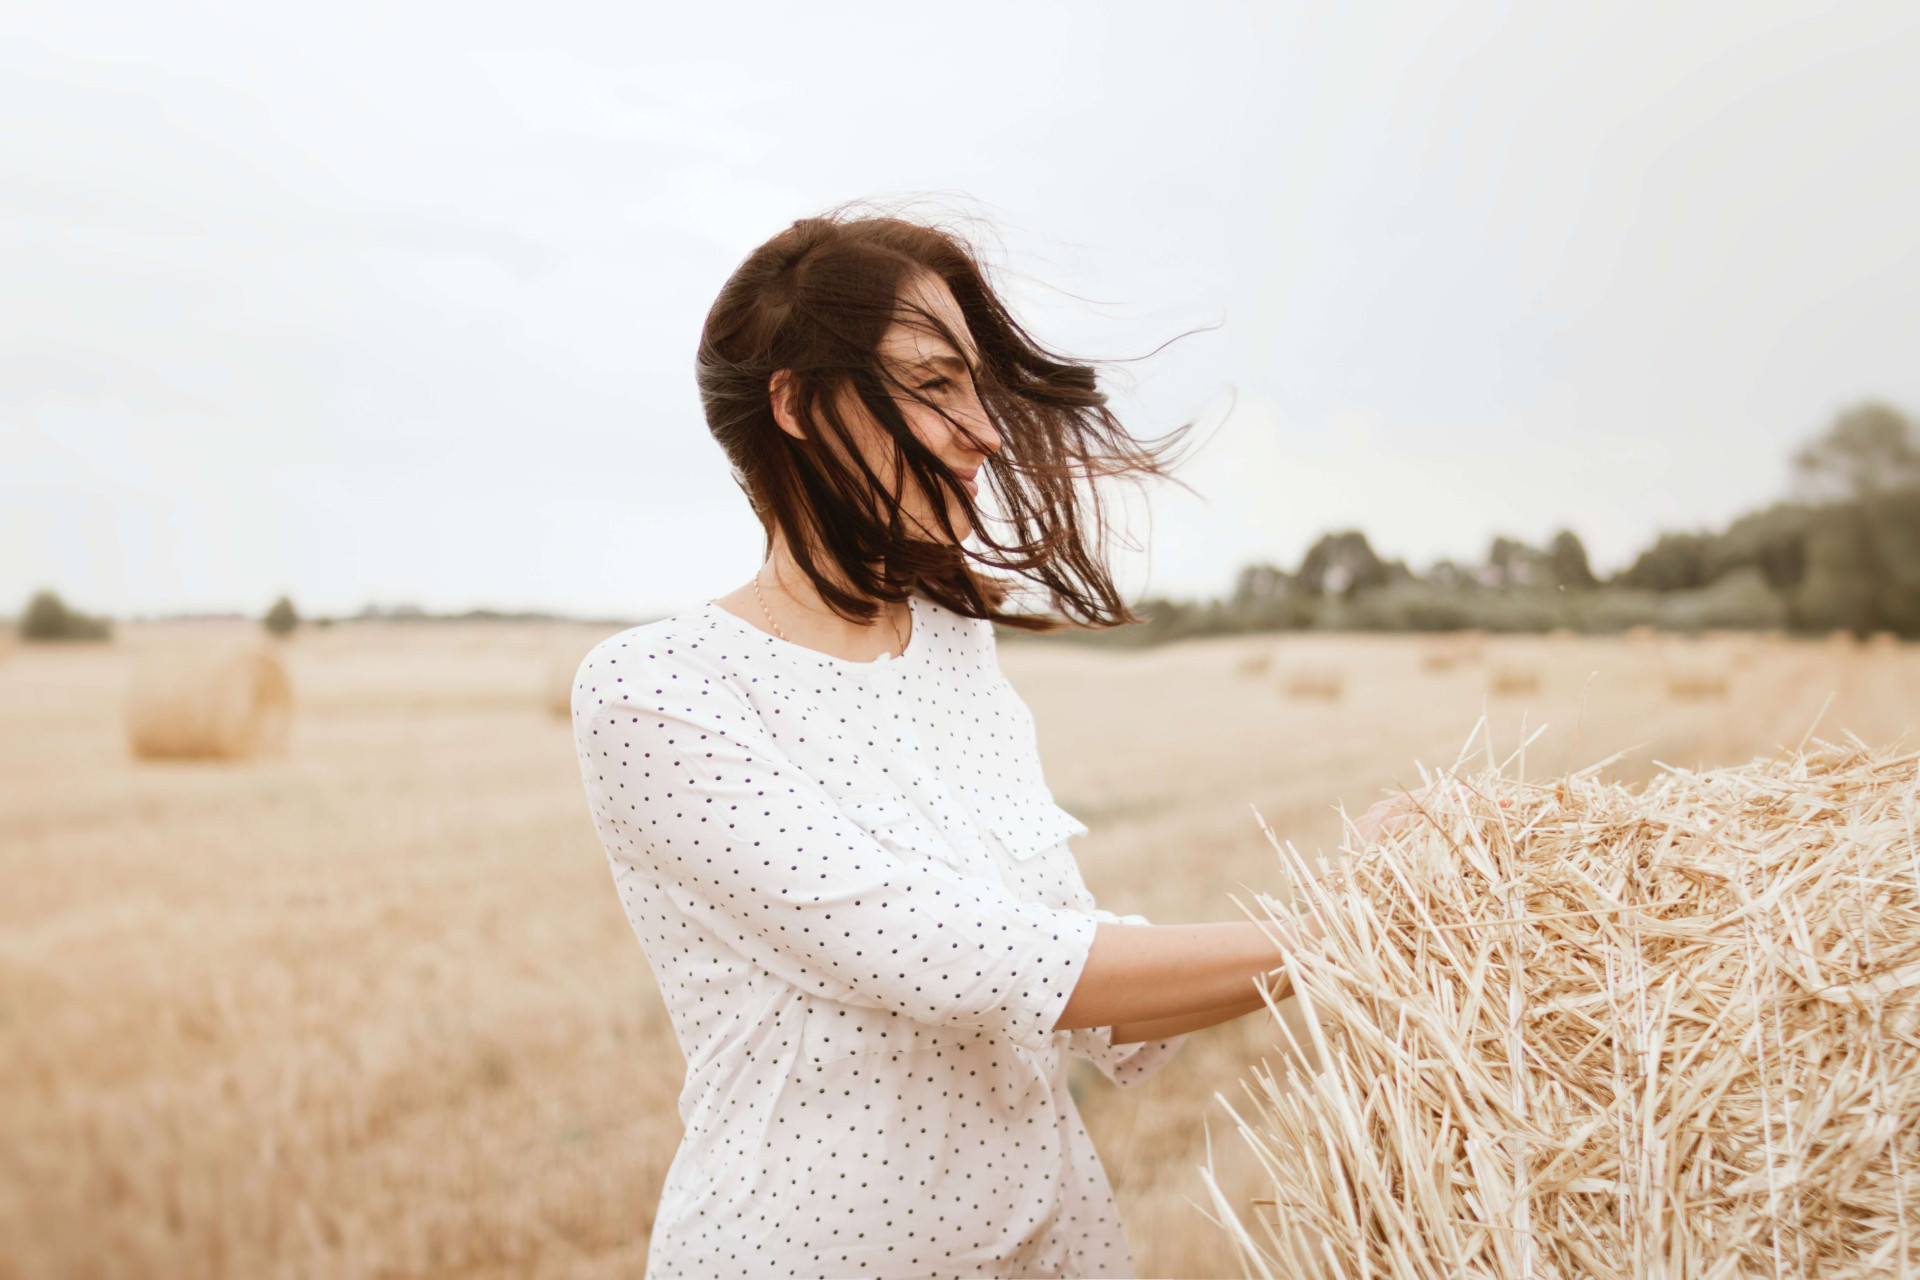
{"type": "Point", "coordinates": [690, 787]}
{"type": "Point", "coordinates": [1124, 1064]}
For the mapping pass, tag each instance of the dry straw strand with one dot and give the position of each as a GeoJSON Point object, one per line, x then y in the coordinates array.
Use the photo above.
{"type": "Point", "coordinates": [1574, 1028]}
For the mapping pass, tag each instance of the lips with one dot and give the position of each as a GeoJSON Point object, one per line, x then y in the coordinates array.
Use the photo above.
{"type": "Point", "coordinates": [972, 480]}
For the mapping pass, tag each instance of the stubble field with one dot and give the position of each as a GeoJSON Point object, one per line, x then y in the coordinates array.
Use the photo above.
{"type": "Point", "coordinates": [370, 1008]}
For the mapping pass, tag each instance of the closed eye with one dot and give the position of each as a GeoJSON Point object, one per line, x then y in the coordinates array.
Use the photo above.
{"type": "Point", "coordinates": [934, 384]}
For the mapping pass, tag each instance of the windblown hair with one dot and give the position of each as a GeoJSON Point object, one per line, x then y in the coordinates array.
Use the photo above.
{"type": "Point", "coordinates": [815, 300]}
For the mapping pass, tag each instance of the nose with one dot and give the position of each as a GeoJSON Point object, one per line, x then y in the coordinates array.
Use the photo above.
{"type": "Point", "coordinates": [985, 437]}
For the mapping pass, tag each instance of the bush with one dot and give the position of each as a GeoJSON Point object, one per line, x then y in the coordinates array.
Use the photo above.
{"type": "Point", "coordinates": [1612, 610]}
{"type": "Point", "coordinates": [282, 618]}
{"type": "Point", "coordinates": [1409, 606]}
{"type": "Point", "coordinates": [48, 618]}
{"type": "Point", "coordinates": [1739, 601]}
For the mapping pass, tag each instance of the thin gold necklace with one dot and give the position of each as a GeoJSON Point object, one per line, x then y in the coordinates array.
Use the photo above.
{"type": "Point", "coordinates": [763, 606]}
{"type": "Point", "coordinates": [775, 622]}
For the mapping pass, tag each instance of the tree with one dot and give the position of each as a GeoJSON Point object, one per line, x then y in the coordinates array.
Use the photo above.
{"type": "Point", "coordinates": [1341, 564]}
{"type": "Point", "coordinates": [1893, 523]}
{"type": "Point", "coordinates": [48, 618]}
{"type": "Point", "coordinates": [1512, 563]}
{"type": "Point", "coordinates": [282, 618]}
{"type": "Point", "coordinates": [1260, 582]}
{"type": "Point", "coordinates": [1675, 562]}
{"type": "Point", "coordinates": [1567, 562]}
{"type": "Point", "coordinates": [1773, 540]}
{"type": "Point", "coordinates": [1841, 585]}
{"type": "Point", "coordinates": [1870, 448]}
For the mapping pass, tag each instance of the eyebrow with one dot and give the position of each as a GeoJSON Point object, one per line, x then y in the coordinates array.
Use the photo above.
{"type": "Point", "coordinates": [942, 364]}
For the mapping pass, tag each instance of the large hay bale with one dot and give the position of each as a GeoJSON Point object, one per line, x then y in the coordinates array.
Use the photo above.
{"type": "Point", "coordinates": [1575, 1029]}
{"type": "Point", "coordinates": [1454, 651]}
{"type": "Point", "coordinates": [1254, 664]}
{"type": "Point", "coordinates": [217, 702]}
{"type": "Point", "coordinates": [1323, 683]}
{"type": "Point", "coordinates": [1695, 680]}
{"type": "Point", "coordinates": [1512, 680]}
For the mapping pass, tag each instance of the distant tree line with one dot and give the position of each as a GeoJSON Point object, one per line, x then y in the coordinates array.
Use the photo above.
{"type": "Point", "coordinates": [1843, 554]}
{"type": "Point", "coordinates": [48, 617]}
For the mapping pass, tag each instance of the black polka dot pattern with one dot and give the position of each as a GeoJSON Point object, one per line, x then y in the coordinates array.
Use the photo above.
{"type": "Point", "coordinates": [858, 898]}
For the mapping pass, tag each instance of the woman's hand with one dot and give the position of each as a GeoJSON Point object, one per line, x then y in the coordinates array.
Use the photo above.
{"type": "Point", "coordinates": [1389, 817]}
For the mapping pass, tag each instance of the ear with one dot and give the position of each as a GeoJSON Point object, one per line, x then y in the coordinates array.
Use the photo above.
{"type": "Point", "coordinates": [781, 391]}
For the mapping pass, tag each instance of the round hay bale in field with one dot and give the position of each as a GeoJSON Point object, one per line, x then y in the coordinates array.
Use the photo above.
{"type": "Point", "coordinates": [1513, 680]}
{"type": "Point", "coordinates": [1254, 664]}
{"type": "Point", "coordinates": [1453, 651]}
{"type": "Point", "coordinates": [1883, 642]}
{"type": "Point", "coordinates": [1696, 681]}
{"type": "Point", "coordinates": [217, 702]}
{"type": "Point", "coordinates": [1577, 1029]}
{"type": "Point", "coordinates": [1323, 683]}
{"type": "Point", "coordinates": [1742, 649]}
{"type": "Point", "coordinates": [1641, 635]}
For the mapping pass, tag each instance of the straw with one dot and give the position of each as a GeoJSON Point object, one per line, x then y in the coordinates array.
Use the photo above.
{"type": "Point", "coordinates": [1571, 1028]}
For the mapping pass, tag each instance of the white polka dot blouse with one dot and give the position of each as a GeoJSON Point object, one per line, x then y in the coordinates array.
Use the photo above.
{"type": "Point", "coordinates": [857, 895]}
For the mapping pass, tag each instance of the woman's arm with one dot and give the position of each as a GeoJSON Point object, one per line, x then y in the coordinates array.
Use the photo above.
{"type": "Point", "coordinates": [691, 790]}
{"type": "Point", "coordinates": [1168, 1028]}
{"type": "Point", "coordinates": [1139, 975]}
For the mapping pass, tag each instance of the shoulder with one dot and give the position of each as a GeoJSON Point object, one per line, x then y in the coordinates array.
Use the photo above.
{"type": "Point", "coordinates": [955, 637]}
{"type": "Point", "coordinates": [670, 664]}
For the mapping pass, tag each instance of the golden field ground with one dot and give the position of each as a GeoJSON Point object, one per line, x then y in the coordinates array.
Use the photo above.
{"type": "Point", "coordinates": [370, 1008]}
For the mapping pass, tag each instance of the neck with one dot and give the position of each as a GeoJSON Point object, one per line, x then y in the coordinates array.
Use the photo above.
{"type": "Point", "coordinates": [800, 611]}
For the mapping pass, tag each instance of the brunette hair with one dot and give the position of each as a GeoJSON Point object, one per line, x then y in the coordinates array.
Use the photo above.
{"type": "Point", "coordinates": [814, 301]}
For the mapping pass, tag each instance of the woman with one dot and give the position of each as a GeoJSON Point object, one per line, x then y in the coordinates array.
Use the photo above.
{"type": "Point", "coordinates": [824, 807]}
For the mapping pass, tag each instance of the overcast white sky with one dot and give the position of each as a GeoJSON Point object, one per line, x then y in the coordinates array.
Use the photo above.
{"type": "Point", "coordinates": [398, 302]}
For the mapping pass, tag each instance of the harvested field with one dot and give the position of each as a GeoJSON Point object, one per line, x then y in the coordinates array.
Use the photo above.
{"type": "Point", "coordinates": [369, 1006]}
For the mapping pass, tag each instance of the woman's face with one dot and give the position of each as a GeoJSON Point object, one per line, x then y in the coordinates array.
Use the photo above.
{"type": "Point", "coordinates": [936, 396]}
{"type": "Point", "coordinates": [938, 401]}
